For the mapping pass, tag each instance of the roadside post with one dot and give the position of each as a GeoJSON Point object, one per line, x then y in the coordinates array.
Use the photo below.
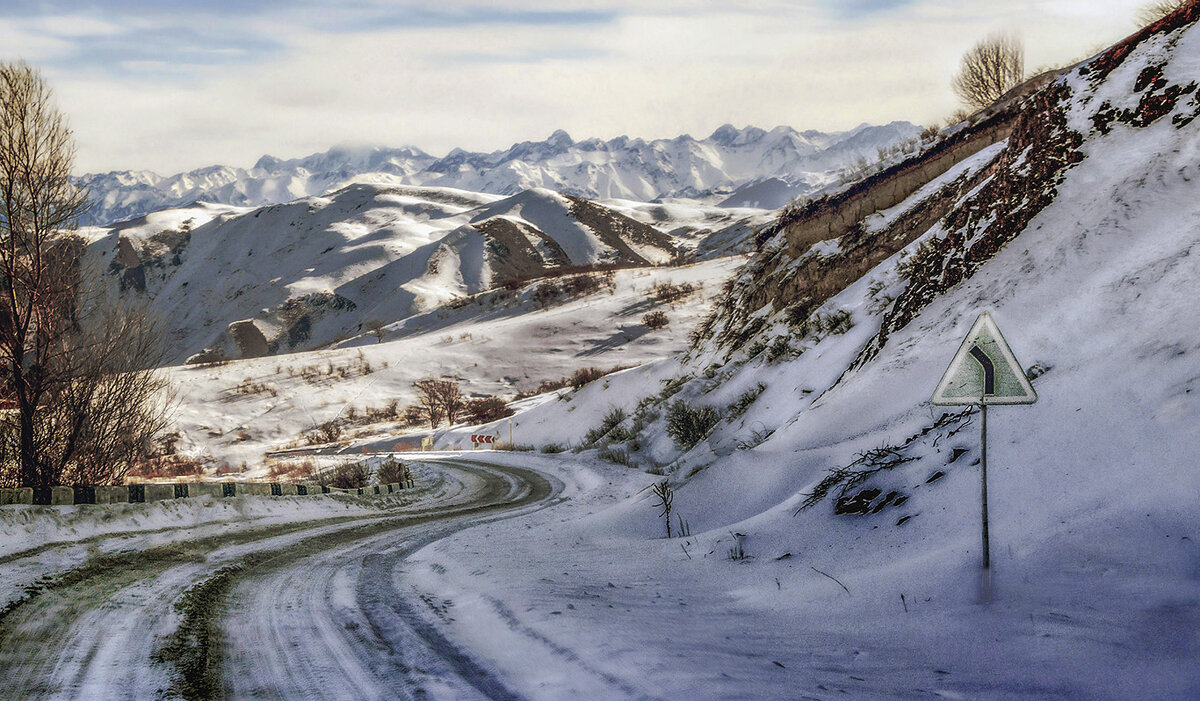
{"type": "Point", "coordinates": [984, 371]}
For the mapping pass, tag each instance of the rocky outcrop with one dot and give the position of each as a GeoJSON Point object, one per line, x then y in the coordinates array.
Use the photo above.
{"type": "Point", "coordinates": [250, 341]}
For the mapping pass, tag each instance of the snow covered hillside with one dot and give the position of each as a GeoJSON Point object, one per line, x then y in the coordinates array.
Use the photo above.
{"type": "Point", "coordinates": [495, 344]}
{"type": "Point", "coordinates": [748, 167]}
{"type": "Point", "coordinates": [237, 282]}
{"type": "Point", "coordinates": [858, 501]}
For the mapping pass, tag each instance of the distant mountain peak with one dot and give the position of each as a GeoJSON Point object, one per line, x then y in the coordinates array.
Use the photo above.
{"type": "Point", "coordinates": [560, 139]}
{"type": "Point", "coordinates": [621, 168]}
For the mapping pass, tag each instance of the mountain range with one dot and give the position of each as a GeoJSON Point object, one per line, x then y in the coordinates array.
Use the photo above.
{"type": "Point", "coordinates": [748, 167]}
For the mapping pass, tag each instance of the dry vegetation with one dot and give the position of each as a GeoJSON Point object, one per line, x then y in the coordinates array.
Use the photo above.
{"type": "Point", "coordinates": [76, 367]}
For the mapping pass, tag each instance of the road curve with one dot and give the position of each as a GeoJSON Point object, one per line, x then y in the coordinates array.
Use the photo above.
{"type": "Point", "coordinates": [257, 604]}
{"type": "Point", "coordinates": [333, 623]}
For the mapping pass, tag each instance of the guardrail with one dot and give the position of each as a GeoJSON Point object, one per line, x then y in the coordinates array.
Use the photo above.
{"type": "Point", "coordinates": [160, 491]}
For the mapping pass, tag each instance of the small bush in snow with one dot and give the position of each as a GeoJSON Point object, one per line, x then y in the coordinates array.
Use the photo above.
{"type": "Point", "coordinates": [327, 432]}
{"type": "Point", "coordinates": [655, 320]}
{"type": "Point", "coordinates": [745, 400]}
{"type": "Point", "coordinates": [617, 456]}
{"type": "Point", "coordinates": [688, 426]}
{"type": "Point", "coordinates": [351, 475]}
{"type": "Point", "coordinates": [609, 425]}
{"type": "Point", "coordinates": [393, 471]}
{"type": "Point", "coordinates": [546, 293]}
{"type": "Point", "coordinates": [551, 448]}
{"type": "Point", "coordinates": [738, 551]}
{"type": "Point", "coordinates": [487, 409]}
{"type": "Point", "coordinates": [779, 348]}
{"type": "Point", "coordinates": [665, 496]}
{"type": "Point", "coordinates": [835, 323]}
{"type": "Point", "coordinates": [668, 292]}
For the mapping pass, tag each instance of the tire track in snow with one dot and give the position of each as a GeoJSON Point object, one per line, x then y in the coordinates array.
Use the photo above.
{"type": "Point", "coordinates": [329, 622]}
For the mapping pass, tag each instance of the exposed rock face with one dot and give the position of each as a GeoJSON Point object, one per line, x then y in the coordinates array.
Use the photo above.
{"type": "Point", "coordinates": [517, 251]}
{"type": "Point", "coordinates": [129, 264]}
{"type": "Point", "coordinates": [208, 355]}
{"type": "Point", "coordinates": [251, 343]}
{"type": "Point", "coordinates": [783, 275]}
{"type": "Point", "coordinates": [127, 256]}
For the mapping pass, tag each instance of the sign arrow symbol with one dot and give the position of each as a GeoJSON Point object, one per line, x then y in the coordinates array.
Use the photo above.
{"type": "Point", "coordinates": [989, 369]}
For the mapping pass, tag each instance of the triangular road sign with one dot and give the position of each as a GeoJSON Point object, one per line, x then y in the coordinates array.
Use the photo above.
{"type": "Point", "coordinates": [984, 371]}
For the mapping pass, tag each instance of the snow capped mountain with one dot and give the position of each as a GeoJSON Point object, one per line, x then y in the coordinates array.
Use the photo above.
{"type": "Point", "coordinates": [307, 273]}
{"type": "Point", "coordinates": [708, 169]}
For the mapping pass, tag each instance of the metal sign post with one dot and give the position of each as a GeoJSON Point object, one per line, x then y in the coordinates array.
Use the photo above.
{"type": "Point", "coordinates": [984, 371]}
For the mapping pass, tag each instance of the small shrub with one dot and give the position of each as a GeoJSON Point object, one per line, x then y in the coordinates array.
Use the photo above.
{"type": "Point", "coordinates": [392, 471]}
{"type": "Point", "coordinates": [551, 448]}
{"type": "Point", "coordinates": [615, 455]}
{"type": "Point", "coordinates": [166, 466]}
{"type": "Point", "coordinates": [745, 400]}
{"type": "Point", "coordinates": [612, 420]}
{"type": "Point", "coordinates": [667, 292]}
{"type": "Point", "coordinates": [583, 377]}
{"type": "Point", "coordinates": [301, 470]}
{"type": "Point", "coordinates": [688, 426]}
{"type": "Point", "coordinates": [672, 386]}
{"type": "Point", "coordinates": [487, 409]}
{"type": "Point", "coordinates": [738, 551]}
{"type": "Point", "coordinates": [655, 320]}
{"type": "Point", "coordinates": [835, 323]}
{"type": "Point", "coordinates": [779, 348]}
{"type": "Point", "coordinates": [327, 432]}
{"type": "Point", "coordinates": [546, 293]}
{"type": "Point", "coordinates": [414, 415]}
{"type": "Point", "coordinates": [581, 285]}
{"type": "Point", "coordinates": [665, 495]}
{"type": "Point", "coordinates": [351, 475]}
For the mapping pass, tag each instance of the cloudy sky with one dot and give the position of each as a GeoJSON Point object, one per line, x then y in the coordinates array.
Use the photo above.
{"type": "Point", "coordinates": [170, 85]}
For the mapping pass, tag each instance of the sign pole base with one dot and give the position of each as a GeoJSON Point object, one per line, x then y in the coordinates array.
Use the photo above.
{"type": "Point", "coordinates": [985, 578]}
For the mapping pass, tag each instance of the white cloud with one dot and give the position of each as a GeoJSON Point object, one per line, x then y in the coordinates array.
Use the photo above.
{"type": "Point", "coordinates": [654, 73]}
{"type": "Point", "coordinates": [74, 26]}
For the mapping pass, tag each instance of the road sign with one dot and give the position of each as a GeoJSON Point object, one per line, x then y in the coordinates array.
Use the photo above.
{"type": "Point", "coordinates": [984, 371]}
{"type": "Point", "coordinates": [478, 438]}
{"type": "Point", "coordinates": [427, 443]}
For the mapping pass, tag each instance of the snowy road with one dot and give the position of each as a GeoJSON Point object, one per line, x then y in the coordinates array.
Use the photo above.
{"type": "Point", "coordinates": [287, 611]}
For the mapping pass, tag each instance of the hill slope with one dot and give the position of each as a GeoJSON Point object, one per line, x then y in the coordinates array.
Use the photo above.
{"type": "Point", "coordinates": [247, 282]}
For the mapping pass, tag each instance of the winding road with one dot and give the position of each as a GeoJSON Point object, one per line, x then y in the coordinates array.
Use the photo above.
{"type": "Point", "coordinates": [302, 610]}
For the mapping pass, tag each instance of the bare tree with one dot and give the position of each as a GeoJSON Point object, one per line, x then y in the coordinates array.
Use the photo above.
{"type": "Point", "coordinates": [375, 326]}
{"type": "Point", "coordinates": [1153, 12]}
{"type": "Point", "coordinates": [991, 68]}
{"type": "Point", "coordinates": [429, 399]}
{"type": "Point", "coordinates": [83, 401]}
{"type": "Point", "coordinates": [453, 402]}
{"type": "Point", "coordinates": [439, 399]}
